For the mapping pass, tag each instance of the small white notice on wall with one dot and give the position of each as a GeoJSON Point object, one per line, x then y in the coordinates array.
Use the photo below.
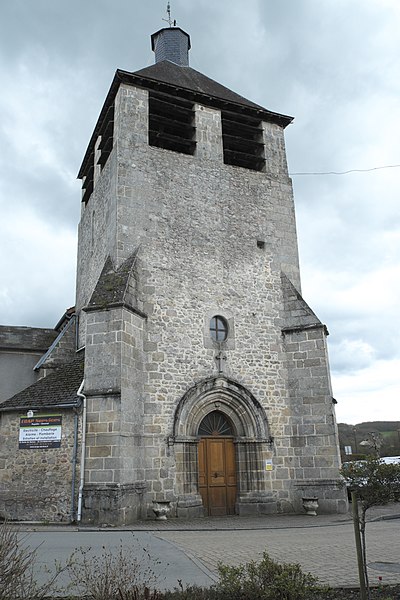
{"type": "Point", "coordinates": [268, 464]}
{"type": "Point", "coordinates": [41, 431]}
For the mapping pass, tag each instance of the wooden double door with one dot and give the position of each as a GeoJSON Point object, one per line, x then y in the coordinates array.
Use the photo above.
{"type": "Point", "coordinates": [217, 475]}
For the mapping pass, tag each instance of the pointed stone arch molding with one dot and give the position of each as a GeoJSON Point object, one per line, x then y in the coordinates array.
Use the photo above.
{"type": "Point", "coordinates": [253, 445]}
{"type": "Point", "coordinates": [229, 397]}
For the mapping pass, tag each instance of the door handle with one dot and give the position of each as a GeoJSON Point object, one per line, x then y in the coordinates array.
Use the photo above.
{"type": "Point", "coordinates": [215, 475]}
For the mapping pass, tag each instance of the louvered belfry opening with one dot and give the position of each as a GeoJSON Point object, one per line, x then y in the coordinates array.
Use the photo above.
{"type": "Point", "coordinates": [106, 133]}
{"type": "Point", "coordinates": [107, 136]}
{"type": "Point", "coordinates": [171, 123]}
{"type": "Point", "coordinates": [242, 139]}
{"type": "Point", "coordinates": [88, 179]}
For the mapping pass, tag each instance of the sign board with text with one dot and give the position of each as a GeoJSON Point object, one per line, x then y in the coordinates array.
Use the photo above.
{"type": "Point", "coordinates": [40, 431]}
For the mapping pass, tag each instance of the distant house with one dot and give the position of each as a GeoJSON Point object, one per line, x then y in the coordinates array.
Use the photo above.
{"type": "Point", "coordinates": [20, 350]}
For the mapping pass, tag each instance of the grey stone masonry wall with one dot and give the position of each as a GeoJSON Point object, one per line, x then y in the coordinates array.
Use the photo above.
{"type": "Point", "coordinates": [209, 133]}
{"type": "Point", "coordinates": [33, 339]}
{"type": "Point", "coordinates": [97, 235]}
{"type": "Point", "coordinates": [114, 470]}
{"type": "Point", "coordinates": [96, 238]}
{"type": "Point", "coordinates": [210, 239]}
{"type": "Point", "coordinates": [312, 438]}
{"type": "Point", "coordinates": [36, 485]}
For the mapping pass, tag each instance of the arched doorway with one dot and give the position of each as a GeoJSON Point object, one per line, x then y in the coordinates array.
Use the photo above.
{"type": "Point", "coordinates": [241, 450]}
{"type": "Point", "coordinates": [217, 465]}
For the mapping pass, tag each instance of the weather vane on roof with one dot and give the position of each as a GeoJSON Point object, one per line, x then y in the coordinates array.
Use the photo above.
{"type": "Point", "coordinates": [172, 23]}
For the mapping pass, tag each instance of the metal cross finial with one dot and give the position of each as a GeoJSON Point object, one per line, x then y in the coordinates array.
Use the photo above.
{"type": "Point", "coordinates": [169, 20]}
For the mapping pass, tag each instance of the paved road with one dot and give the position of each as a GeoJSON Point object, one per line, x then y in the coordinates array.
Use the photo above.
{"type": "Point", "coordinates": [190, 551]}
{"type": "Point", "coordinates": [167, 564]}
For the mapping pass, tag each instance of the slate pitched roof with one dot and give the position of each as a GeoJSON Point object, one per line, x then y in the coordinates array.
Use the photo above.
{"type": "Point", "coordinates": [184, 82]}
{"type": "Point", "coordinates": [56, 390]}
{"type": "Point", "coordinates": [189, 79]}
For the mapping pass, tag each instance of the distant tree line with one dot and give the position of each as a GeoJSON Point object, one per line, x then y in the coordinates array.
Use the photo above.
{"type": "Point", "coordinates": [363, 438]}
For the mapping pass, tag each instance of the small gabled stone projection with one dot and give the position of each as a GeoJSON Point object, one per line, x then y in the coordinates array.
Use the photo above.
{"type": "Point", "coordinates": [115, 287]}
{"type": "Point", "coordinates": [298, 315]}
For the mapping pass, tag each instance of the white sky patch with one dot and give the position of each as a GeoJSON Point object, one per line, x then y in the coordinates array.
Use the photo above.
{"type": "Point", "coordinates": [355, 354]}
{"type": "Point", "coordinates": [370, 394]}
{"type": "Point", "coordinates": [42, 260]}
{"type": "Point", "coordinates": [340, 291]}
{"type": "Point", "coordinates": [35, 106]}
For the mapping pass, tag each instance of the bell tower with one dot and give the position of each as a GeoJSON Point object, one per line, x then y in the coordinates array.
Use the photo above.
{"type": "Point", "coordinates": [206, 373]}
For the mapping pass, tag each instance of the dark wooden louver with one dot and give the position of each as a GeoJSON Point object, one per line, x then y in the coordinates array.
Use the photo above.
{"type": "Point", "coordinates": [242, 141]}
{"type": "Point", "coordinates": [106, 131]}
{"type": "Point", "coordinates": [171, 123]}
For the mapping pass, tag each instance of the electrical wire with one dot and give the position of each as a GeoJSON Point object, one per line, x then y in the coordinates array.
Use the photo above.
{"type": "Point", "coordinates": [346, 172]}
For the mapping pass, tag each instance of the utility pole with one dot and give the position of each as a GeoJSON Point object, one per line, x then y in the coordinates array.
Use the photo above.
{"type": "Point", "coordinates": [355, 440]}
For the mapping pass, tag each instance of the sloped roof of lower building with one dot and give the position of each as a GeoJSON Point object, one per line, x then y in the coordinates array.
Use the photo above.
{"type": "Point", "coordinates": [59, 389]}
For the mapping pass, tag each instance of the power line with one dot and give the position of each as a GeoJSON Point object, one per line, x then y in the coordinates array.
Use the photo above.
{"type": "Point", "coordinates": [346, 172]}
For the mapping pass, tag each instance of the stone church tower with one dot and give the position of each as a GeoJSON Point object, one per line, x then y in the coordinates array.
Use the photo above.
{"type": "Point", "coordinates": [206, 374]}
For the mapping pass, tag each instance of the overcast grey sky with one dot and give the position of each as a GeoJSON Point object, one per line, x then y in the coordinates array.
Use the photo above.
{"type": "Point", "coordinates": [333, 65]}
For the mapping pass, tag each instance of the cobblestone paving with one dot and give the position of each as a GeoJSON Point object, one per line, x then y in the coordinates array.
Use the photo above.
{"type": "Point", "coordinates": [323, 545]}
{"type": "Point", "coordinates": [326, 551]}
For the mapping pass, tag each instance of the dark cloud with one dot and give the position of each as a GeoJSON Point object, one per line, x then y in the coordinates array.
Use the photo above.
{"type": "Point", "coordinates": [334, 66]}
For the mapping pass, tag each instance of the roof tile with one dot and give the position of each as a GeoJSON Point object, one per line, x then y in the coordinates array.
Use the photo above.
{"type": "Point", "coordinates": [58, 388]}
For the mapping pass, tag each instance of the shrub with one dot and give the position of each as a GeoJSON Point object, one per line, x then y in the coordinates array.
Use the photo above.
{"type": "Point", "coordinates": [112, 576]}
{"type": "Point", "coordinates": [192, 592]}
{"type": "Point", "coordinates": [122, 576]}
{"type": "Point", "coordinates": [266, 580]}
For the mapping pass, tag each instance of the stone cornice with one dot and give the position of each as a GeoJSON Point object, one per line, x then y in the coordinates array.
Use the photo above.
{"type": "Point", "coordinates": [305, 328]}
{"type": "Point", "coordinates": [111, 305]}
